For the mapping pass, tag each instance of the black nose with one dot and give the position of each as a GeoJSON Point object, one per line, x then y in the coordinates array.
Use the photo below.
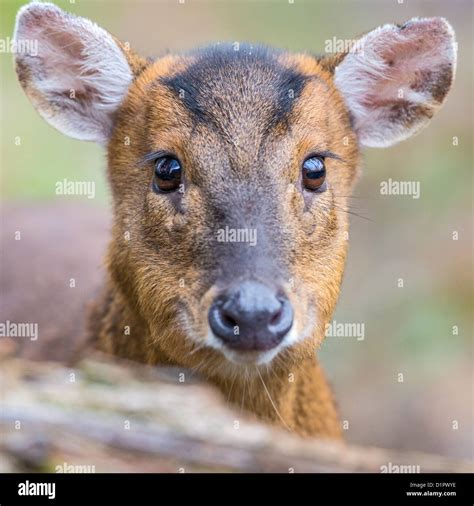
{"type": "Point", "coordinates": [251, 317]}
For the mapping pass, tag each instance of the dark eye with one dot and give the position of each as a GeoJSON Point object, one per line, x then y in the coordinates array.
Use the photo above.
{"type": "Point", "coordinates": [167, 175]}
{"type": "Point", "coordinates": [314, 173]}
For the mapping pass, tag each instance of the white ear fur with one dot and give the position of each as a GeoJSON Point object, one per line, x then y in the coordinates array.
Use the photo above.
{"type": "Point", "coordinates": [397, 78]}
{"type": "Point", "coordinates": [77, 76]}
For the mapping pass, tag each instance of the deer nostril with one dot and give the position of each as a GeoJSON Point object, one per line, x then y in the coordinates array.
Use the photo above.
{"type": "Point", "coordinates": [276, 317]}
{"type": "Point", "coordinates": [251, 316]}
{"type": "Point", "coordinates": [229, 321]}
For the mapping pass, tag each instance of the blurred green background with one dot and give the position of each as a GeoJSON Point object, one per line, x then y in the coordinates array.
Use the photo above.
{"type": "Point", "coordinates": [407, 330]}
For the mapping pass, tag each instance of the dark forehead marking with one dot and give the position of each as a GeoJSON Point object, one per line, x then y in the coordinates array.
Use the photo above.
{"type": "Point", "coordinates": [223, 79]}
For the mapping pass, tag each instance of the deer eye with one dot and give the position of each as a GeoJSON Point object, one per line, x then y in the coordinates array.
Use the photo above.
{"type": "Point", "coordinates": [314, 173]}
{"type": "Point", "coordinates": [167, 175]}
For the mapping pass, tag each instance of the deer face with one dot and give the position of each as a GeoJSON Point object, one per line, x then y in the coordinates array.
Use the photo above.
{"type": "Point", "coordinates": [239, 195]}
{"type": "Point", "coordinates": [230, 168]}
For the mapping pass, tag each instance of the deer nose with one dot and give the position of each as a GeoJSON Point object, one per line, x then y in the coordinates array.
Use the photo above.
{"type": "Point", "coordinates": [251, 317]}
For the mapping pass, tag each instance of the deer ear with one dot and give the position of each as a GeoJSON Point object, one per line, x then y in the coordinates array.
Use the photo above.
{"type": "Point", "coordinates": [396, 78]}
{"type": "Point", "coordinates": [73, 71]}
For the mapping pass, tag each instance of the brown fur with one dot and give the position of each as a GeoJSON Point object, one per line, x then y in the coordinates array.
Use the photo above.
{"type": "Point", "coordinates": [241, 121]}
{"type": "Point", "coordinates": [143, 287]}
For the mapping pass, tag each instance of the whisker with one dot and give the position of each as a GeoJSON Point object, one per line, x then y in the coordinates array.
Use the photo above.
{"type": "Point", "coordinates": [197, 347]}
{"type": "Point", "coordinates": [351, 206]}
{"type": "Point", "coordinates": [231, 387]}
{"type": "Point", "coordinates": [271, 400]}
{"type": "Point", "coordinates": [353, 213]}
{"type": "Point", "coordinates": [243, 392]}
{"type": "Point", "coordinates": [353, 197]}
{"type": "Point", "coordinates": [197, 367]}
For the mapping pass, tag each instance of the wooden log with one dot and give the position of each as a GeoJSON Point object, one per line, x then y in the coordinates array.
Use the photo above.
{"type": "Point", "coordinates": [104, 416]}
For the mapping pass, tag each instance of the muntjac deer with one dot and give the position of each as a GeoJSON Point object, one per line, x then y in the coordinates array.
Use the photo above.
{"type": "Point", "coordinates": [230, 167]}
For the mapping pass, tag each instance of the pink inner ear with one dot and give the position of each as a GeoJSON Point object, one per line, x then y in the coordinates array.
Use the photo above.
{"type": "Point", "coordinates": [79, 76]}
{"type": "Point", "coordinates": [418, 62]}
{"type": "Point", "coordinates": [60, 51]}
{"type": "Point", "coordinates": [397, 78]}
